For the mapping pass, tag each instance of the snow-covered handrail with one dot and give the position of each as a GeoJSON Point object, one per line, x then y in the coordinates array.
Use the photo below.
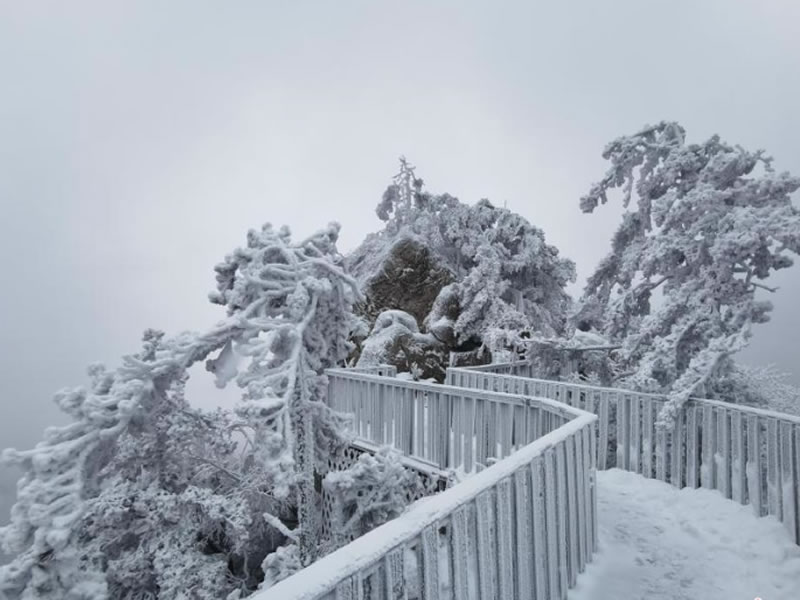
{"type": "Point", "coordinates": [455, 428]}
{"type": "Point", "coordinates": [523, 369]}
{"type": "Point", "coordinates": [533, 512]}
{"type": "Point", "coordinates": [750, 455]}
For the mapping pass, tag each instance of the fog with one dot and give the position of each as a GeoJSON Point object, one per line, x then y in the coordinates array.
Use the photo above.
{"type": "Point", "coordinates": [139, 142]}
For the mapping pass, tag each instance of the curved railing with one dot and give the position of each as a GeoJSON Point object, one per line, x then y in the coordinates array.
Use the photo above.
{"type": "Point", "coordinates": [526, 523]}
{"type": "Point", "coordinates": [750, 455]}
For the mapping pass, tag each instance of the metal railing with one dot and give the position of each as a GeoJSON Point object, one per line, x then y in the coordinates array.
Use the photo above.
{"type": "Point", "coordinates": [526, 523]}
{"type": "Point", "coordinates": [750, 455]}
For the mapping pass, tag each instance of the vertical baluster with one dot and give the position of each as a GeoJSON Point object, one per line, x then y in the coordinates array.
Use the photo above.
{"type": "Point", "coordinates": [469, 433]}
{"type": "Point", "coordinates": [458, 431]}
{"type": "Point", "coordinates": [505, 540]}
{"type": "Point", "coordinates": [738, 488]}
{"type": "Point", "coordinates": [507, 423]}
{"type": "Point", "coordinates": [602, 442]}
{"type": "Point", "coordinates": [633, 440]}
{"type": "Point", "coordinates": [692, 446]}
{"type": "Point", "coordinates": [590, 399]}
{"type": "Point", "coordinates": [797, 483]}
{"type": "Point", "coordinates": [573, 517]}
{"type": "Point", "coordinates": [387, 412]}
{"type": "Point", "coordinates": [409, 420]}
{"type": "Point", "coordinates": [536, 424]}
{"type": "Point", "coordinates": [586, 492]}
{"type": "Point", "coordinates": [519, 427]}
{"type": "Point", "coordinates": [551, 527]}
{"type": "Point", "coordinates": [723, 457]}
{"type": "Point", "coordinates": [349, 588]}
{"type": "Point", "coordinates": [561, 509]}
{"type": "Point", "coordinates": [446, 428]}
{"type": "Point", "coordinates": [491, 428]}
{"type": "Point", "coordinates": [431, 425]}
{"type": "Point", "coordinates": [394, 579]}
{"type": "Point", "coordinates": [420, 416]}
{"type": "Point", "coordinates": [487, 546]}
{"type": "Point", "coordinates": [371, 410]}
{"type": "Point", "coordinates": [648, 423]}
{"type": "Point", "coordinates": [707, 467]}
{"type": "Point", "coordinates": [661, 452]}
{"type": "Point", "coordinates": [788, 477]}
{"type": "Point", "coordinates": [538, 510]}
{"type": "Point", "coordinates": [754, 465]}
{"type": "Point", "coordinates": [676, 451]}
{"type": "Point", "coordinates": [623, 430]}
{"type": "Point", "coordinates": [462, 549]}
{"type": "Point", "coordinates": [381, 420]}
{"type": "Point", "coordinates": [430, 563]}
{"type": "Point", "coordinates": [524, 536]}
{"type": "Point", "coordinates": [480, 436]}
{"type": "Point", "coordinates": [581, 467]}
{"type": "Point", "coordinates": [372, 400]}
{"type": "Point", "coordinates": [397, 400]}
{"type": "Point", "coordinates": [355, 393]}
{"type": "Point", "coordinates": [773, 475]}
{"type": "Point", "coordinates": [442, 431]}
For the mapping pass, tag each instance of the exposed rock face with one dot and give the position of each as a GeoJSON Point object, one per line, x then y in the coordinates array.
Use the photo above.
{"type": "Point", "coordinates": [408, 278]}
{"type": "Point", "coordinates": [407, 285]}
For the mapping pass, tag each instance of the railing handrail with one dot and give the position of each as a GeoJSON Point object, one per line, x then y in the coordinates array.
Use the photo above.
{"type": "Point", "coordinates": [762, 412]}
{"type": "Point", "coordinates": [359, 555]}
{"type": "Point", "coordinates": [553, 406]}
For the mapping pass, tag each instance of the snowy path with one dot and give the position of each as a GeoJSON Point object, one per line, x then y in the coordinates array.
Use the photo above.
{"type": "Point", "coordinates": [659, 543]}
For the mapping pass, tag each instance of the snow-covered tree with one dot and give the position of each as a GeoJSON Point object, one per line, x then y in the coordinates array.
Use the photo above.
{"type": "Point", "coordinates": [708, 224]}
{"type": "Point", "coordinates": [506, 278]}
{"type": "Point", "coordinates": [298, 302]}
{"type": "Point", "coordinates": [86, 502]}
{"type": "Point", "coordinates": [141, 495]}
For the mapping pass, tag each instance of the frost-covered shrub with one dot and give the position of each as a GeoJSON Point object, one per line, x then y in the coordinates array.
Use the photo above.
{"type": "Point", "coordinates": [371, 492]}
{"type": "Point", "coordinates": [763, 386]}
{"type": "Point", "coordinates": [282, 563]}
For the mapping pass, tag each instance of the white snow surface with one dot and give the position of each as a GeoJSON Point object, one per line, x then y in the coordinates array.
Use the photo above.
{"type": "Point", "coordinates": [661, 543]}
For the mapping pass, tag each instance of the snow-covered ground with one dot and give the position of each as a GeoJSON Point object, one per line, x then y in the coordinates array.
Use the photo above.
{"type": "Point", "coordinates": [660, 543]}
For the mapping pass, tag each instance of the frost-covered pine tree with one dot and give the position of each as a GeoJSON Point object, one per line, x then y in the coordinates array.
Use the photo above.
{"type": "Point", "coordinates": [506, 277]}
{"type": "Point", "coordinates": [142, 496]}
{"type": "Point", "coordinates": [708, 224]}
{"type": "Point", "coordinates": [294, 305]}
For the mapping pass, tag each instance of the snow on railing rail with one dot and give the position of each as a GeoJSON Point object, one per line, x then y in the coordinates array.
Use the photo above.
{"type": "Point", "coordinates": [525, 524]}
{"type": "Point", "coordinates": [751, 455]}
{"type": "Point", "coordinates": [451, 427]}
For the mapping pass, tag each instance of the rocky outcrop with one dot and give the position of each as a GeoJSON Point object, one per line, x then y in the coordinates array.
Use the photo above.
{"type": "Point", "coordinates": [407, 277]}
{"type": "Point", "coordinates": [410, 309]}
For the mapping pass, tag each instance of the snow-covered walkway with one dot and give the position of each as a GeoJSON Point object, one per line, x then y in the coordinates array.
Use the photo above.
{"type": "Point", "coordinates": [660, 543]}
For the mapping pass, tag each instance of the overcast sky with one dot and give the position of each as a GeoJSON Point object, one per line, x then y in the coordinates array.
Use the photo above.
{"type": "Point", "coordinates": [140, 140]}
